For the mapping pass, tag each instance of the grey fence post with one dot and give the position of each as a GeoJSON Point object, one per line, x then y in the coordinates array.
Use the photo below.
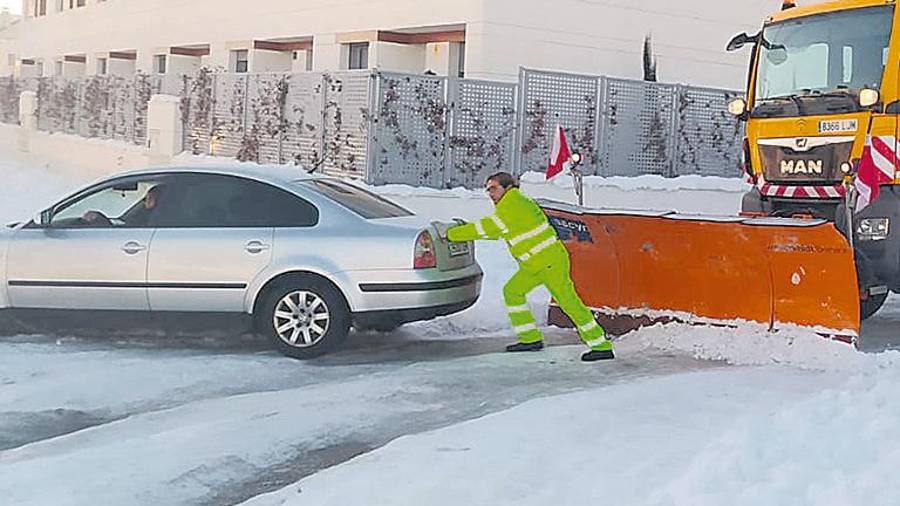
{"type": "Point", "coordinates": [599, 125]}
{"type": "Point", "coordinates": [371, 125]}
{"type": "Point", "coordinates": [451, 95]}
{"type": "Point", "coordinates": [675, 129]}
{"type": "Point", "coordinates": [520, 121]}
{"type": "Point", "coordinates": [323, 136]}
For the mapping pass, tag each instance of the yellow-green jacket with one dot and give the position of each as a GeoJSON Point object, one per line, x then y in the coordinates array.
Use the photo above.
{"type": "Point", "coordinates": [519, 221]}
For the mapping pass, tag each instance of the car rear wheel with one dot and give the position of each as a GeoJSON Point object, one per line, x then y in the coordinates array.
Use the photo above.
{"type": "Point", "coordinates": [304, 317]}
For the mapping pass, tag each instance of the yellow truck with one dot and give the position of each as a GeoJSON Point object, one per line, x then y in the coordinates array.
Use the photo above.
{"type": "Point", "coordinates": [824, 83]}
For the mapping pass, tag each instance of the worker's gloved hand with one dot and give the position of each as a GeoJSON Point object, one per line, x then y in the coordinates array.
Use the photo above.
{"type": "Point", "coordinates": [441, 228]}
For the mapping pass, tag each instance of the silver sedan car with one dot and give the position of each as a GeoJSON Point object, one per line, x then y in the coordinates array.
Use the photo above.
{"type": "Point", "coordinates": [304, 258]}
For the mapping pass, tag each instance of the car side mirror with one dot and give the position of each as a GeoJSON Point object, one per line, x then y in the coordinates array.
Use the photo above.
{"type": "Point", "coordinates": [43, 218]}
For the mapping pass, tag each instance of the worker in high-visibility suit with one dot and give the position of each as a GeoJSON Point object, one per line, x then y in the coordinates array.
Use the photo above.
{"type": "Point", "coordinates": [543, 260]}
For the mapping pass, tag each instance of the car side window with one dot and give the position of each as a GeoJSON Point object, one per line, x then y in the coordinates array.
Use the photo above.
{"type": "Point", "coordinates": [128, 203]}
{"type": "Point", "coordinates": [214, 201]}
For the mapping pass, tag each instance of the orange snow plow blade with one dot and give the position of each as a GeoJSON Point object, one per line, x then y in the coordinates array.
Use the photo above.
{"type": "Point", "coordinates": [641, 268]}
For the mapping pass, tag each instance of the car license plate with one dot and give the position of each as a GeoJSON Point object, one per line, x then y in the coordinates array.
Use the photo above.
{"type": "Point", "coordinates": [840, 125]}
{"type": "Point", "coordinates": [459, 249]}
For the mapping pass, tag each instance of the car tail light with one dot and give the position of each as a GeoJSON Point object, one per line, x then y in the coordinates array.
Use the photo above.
{"type": "Point", "coordinates": [424, 254]}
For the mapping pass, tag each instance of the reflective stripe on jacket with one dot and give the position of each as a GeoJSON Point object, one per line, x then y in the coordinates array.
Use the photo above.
{"type": "Point", "coordinates": [521, 223]}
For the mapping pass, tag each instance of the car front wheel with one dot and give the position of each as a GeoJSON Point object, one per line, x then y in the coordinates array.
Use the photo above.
{"type": "Point", "coordinates": [304, 317]}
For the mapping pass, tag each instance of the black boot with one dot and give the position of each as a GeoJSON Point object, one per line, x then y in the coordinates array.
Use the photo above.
{"type": "Point", "coordinates": [517, 347]}
{"type": "Point", "coordinates": [596, 355]}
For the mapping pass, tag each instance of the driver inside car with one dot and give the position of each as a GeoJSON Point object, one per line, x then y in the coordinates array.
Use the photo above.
{"type": "Point", "coordinates": [137, 216]}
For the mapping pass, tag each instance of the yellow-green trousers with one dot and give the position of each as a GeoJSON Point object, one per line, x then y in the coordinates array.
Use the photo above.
{"type": "Point", "coordinates": [556, 278]}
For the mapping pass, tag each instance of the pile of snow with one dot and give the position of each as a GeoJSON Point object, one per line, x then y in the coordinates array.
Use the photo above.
{"type": "Point", "coordinates": [753, 344]}
{"type": "Point", "coordinates": [28, 188]}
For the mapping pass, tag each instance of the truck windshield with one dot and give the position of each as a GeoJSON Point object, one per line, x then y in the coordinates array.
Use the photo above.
{"type": "Point", "coordinates": [818, 64]}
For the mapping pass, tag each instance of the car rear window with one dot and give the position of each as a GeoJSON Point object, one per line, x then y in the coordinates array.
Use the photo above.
{"type": "Point", "coordinates": [362, 202]}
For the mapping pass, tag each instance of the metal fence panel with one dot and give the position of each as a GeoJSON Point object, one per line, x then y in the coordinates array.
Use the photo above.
{"type": "Point", "coordinates": [638, 121]}
{"type": "Point", "coordinates": [197, 102]}
{"type": "Point", "coordinates": [265, 123]}
{"type": "Point", "coordinates": [553, 98]}
{"type": "Point", "coordinates": [708, 139]}
{"type": "Point", "coordinates": [410, 131]}
{"type": "Point", "coordinates": [302, 144]}
{"type": "Point", "coordinates": [483, 127]}
{"type": "Point", "coordinates": [59, 105]}
{"type": "Point", "coordinates": [399, 128]}
{"type": "Point", "coordinates": [346, 123]}
{"type": "Point", "coordinates": [229, 116]}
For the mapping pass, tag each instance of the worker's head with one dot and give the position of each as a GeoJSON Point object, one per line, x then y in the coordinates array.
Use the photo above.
{"type": "Point", "coordinates": [498, 184]}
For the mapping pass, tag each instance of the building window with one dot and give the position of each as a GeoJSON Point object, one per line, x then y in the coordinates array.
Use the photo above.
{"type": "Point", "coordinates": [159, 64]}
{"type": "Point", "coordinates": [76, 3]}
{"type": "Point", "coordinates": [359, 56]}
{"type": "Point", "coordinates": [241, 61]}
{"type": "Point", "coordinates": [461, 62]}
{"type": "Point", "coordinates": [59, 68]}
{"type": "Point", "coordinates": [102, 66]}
{"type": "Point", "coordinates": [60, 5]}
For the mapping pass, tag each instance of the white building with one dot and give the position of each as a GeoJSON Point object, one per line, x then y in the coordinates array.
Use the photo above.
{"type": "Point", "coordinates": [487, 39]}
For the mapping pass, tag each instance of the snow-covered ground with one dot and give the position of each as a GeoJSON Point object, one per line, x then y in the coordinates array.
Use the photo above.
{"type": "Point", "coordinates": [431, 414]}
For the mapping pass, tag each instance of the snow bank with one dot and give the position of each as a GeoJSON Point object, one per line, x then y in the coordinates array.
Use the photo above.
{"type": "Point", "coordinates": [753, 344]}
{"type": "Point", "coordinates": [646, 182]}
{"type": "Point", "coordinates": [26, 188]}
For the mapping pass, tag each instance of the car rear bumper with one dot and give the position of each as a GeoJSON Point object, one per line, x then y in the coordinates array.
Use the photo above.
{"type": "Point", "coordinates": [401, 316]}
{"type": "Point", "coordinates": [409, 290]}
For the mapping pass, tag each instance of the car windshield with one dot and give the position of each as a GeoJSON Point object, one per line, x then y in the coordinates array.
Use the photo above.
{"type": "Point", "coordinates": [362, 202]}
{"type": "Point", "coordinates": [823, 61]}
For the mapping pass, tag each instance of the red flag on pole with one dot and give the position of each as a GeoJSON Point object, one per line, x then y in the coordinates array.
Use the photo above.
{"type": "Point", "coordinates": [876, 167]}
{"type": "Point", "coordinates": [559, 154]}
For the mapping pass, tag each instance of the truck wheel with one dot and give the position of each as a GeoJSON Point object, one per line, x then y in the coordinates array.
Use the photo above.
{"type": "Point", "coordinates": [870, 306]}
{"type": "Point", "coordinates": [304, 317]}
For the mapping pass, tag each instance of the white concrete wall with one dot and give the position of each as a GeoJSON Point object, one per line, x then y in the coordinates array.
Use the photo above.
{"type": "Point", "coordinates": [397, 57]}
{"type": "Point", "coordinates": [74, 69]}
{"type": "Point", "coordinates": [603, 37]}
{"type": "Point", "coordinates": [437, 58]}
{"type": "Point", "coordinates": [120, 67]}
{"type": "Point", "coordinates": [180, 64]}
{"type": "Point", "coordinates": [270, 61]}
{"type": "Point", "coordinates": [303, 62]}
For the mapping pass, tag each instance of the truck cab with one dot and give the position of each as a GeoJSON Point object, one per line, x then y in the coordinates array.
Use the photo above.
{"type": "Point", "coordinates": [823, 86]}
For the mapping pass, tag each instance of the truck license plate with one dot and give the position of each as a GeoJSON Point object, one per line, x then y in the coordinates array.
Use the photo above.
{"type": "Point", "coordinates": [459, 249]}
{"type": "Point", "coordinates": [839, 125]}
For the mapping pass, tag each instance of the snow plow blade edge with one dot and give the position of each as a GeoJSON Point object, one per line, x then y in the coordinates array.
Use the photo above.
{"type": "Point", "coordinates": [640, 268]}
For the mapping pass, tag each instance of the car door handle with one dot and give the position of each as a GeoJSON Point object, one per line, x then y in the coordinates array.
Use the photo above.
{"type": "Point", "coordinates": [255, 247]}
{"type": "Point", "coordinates": [133, 247]}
